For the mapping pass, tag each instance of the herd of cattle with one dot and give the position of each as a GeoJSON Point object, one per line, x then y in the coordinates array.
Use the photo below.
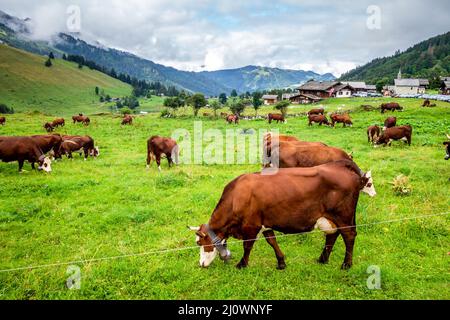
{"type": "Point", "coordinates": [312, 185]}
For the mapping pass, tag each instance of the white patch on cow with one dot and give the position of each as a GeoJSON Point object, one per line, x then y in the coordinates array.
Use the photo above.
{"type": "Point", "coordinates": [206, 258]}
{"type": "Point", "coordinates": [159, 168]}
{"type": "Point", "coordinates": [148, 167]}
{"type": "Point", "coordinates": [384, 128]}
{"type": "Point", "coordinates": [405, 139]}
{"type": "Point", "coordinates": [46, 165]}
{"type": "Point", "coordinates": [97, 149]}
{"type": "Point", "coordinates": [326, 226]}
{"type": "Point", "coordinates": [369, 188]}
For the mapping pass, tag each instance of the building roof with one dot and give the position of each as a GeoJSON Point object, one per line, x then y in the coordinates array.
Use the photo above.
{"type": "Point", "coordinates": [288, 95]}
{"type": "Point", "coordinates": [447, 84]}
{"type": "Point", "coordinates": [424, 82]}
{"type": "Point", "coordinates": [445, 78]}
{"type": "Point", "coordinates": [357, 84]}
{"type": "Point", "coordinates": [343, 86]}
{"type": "Point", "coordinates": [371, 87]}
{"type": "Point", "coordinates": [407, 82]}
{"type": "Point", "coordinates": [318, 85]}
{"type": "Point", "coordinates": [270, 97]}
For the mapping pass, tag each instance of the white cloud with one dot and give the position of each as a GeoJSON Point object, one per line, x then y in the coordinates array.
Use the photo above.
{"type": "Point", "coordinates": [323, 36]}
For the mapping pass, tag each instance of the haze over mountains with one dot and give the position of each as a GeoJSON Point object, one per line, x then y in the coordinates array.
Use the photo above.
{"type": "Point", "coordinates": [19, 33]}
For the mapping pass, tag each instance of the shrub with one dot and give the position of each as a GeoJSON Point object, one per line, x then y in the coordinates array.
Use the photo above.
{"type": "Point", "coordinates": [165, 114]}
{"type": "Point", "coordinates": [126, 111]}
{"type": "Point", "coordinates": [283, 106]}
{"type": "Point", "coordinates": [401, 186]}
{"type": "Point", "coordinates": [5, 109]}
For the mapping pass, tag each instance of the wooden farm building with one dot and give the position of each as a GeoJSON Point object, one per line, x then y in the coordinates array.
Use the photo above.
{"type": "Point", "coordinates": [270, 99]}
{"type": "Point", "coordinates": [298, 98]}
{"type": "Point", "coordinates": [445, 85]}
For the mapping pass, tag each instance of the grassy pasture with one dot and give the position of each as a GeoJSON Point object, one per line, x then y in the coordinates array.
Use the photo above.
{"type": "Point", "coordinates": [112, 206]}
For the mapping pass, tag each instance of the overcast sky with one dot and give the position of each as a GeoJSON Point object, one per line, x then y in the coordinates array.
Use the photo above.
{"type": "Point", "coordinates": [195, 35]}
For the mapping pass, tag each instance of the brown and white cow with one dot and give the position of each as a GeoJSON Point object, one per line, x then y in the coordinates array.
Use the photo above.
{"type": "Point", "coordinates": [316, 111]}
{"type": "Point", "coordinates": [2, 121]}
{"type": "Point", "coordinates": [305, 154]}
{"type": "Point", "coordinates": [232, 118]}
{"type": "Point", "coordinates": [373, 132]}
{"type": "Point", "coordinates": [79, 144]}
{"type": "Point", "coordinates": [390, 123]}
{"type": "Point", "coordinates": [293, 201]}
{"type": "Point", "coordinates": [158, 146]}
{"type": "Point", "coordinates": [447, 148]}
{"type": "Point", "coordinates": [127, 120]}
{"type": "Point", "coordinates": [48, 143]}
{"type": "Point", "coordinates": [396, 133]}
{"type": "Point", "coordinates": [23, 149]}
{"type": "Point", "coordinates": [83, 119]}
{"type": "Point", "coordinates": [341, 118]}
{"type": "Point", "coordinates": [320, 119]}
{"type": "Point", "coordinates": [276, 117]}
{"type": "Point", "coordinates": [392, 106]}
{"type": "Point", "coordinates": [58, 123]}
{"type": "Point", "coordinates": [49, 127]}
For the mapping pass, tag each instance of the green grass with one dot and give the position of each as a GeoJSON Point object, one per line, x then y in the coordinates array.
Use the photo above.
{"type": "Point", "coordinates": [27, 85]}
{"type": "Point", "coordinates": [113, 206]}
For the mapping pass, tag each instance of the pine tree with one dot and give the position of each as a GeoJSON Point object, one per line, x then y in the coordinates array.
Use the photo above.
{"type": "Point", "coordinates": [48, 63]}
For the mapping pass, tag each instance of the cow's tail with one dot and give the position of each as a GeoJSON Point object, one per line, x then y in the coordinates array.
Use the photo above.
{"type": "Point", "coordinates": [176, 154]}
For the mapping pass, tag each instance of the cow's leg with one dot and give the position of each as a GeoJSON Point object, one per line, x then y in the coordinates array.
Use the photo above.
{"type": "Point", "coordinates": [33, 166]}
{"type": "Point", "coordinates": [329, 244]}
{"type": "Point", "coordinates": [86, 153]}
{"type": "Point", "coordinates": [169, 159]}
{"type": "Point", "coordinates": [272, 240]}
{"type": "Point", "coordinates": [21, 165]}
{"type": "Point", "coordinates": [149, 159]}
{"type": "Point", "coordinates": [158, 161]}
{"type": "Point", "coordinates": [349, 235]}
{"type": "Point", "coordinates": [249, 241]}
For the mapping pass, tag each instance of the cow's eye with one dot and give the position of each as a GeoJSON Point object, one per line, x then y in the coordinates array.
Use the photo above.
{"type": "Point", "coordinates": [369, 185]}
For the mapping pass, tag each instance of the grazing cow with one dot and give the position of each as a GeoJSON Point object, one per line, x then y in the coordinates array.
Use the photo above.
{"type": "Point", "coordinates": [305, 154]}
{"type": "Point", "coordinates": [390, 123]}
{"type": "Point", "coordinates": [158, 146]}
{"type": "Point", "coordinates": [344, 119]}
{"type": "Point", "coordinates": [49, 127]}
{"type": "Point", "coordinates": [80, 144]}
{"type": "Point", "coordinates": [47, 143]}
{"type": "Point", "coordinates": [83, 119]}
{"type": "Point", "coordinates": [392, 106]}
{"type": "Point", "coordinates": [426, 103]}
{"type": "Point", "coordinates": [206, 114]}
{"type": "Point", "coordinates": [21, 149]}
{"type": "Point", "coordinates": [320, 119]}
{"type": "Point", "coordinates": [396, 133]}
{"type": "Point", "coordinates": [59, 122]}
{"type": "Point", "coordinates": [276, 117]}
{"type": "Point", "coordinates": [127, 120]}
{"type": "Point", "coordinates": [232, 118]}
{"type": "Point", "coordinates": [293, 201]}
{"type": "Point", "coordinates": [373, 132]}
{"type": "Point", "coordinates": [316, 112]}
{"type": "Point", "coordinates": [2, 121]}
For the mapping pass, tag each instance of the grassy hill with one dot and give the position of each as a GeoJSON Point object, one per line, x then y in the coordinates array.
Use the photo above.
{"type": "Point", "coordinates": [428, 59]}
{"type": "Point", "coordinates": [27, 85]}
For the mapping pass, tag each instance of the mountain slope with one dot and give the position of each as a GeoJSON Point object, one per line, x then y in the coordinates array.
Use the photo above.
{"type": "Point", "coordinates": [252, 78]}
{"type": "Point", "coordinates": [26, 84]}
{"type": "Point", "coordinates": [427, 59]}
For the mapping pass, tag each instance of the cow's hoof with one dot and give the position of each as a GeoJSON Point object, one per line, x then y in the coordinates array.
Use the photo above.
{"type": "Point", "coordinates": [281, 266]}
{"type": "Point", "coordinates": [241, 265]}
{"type": "Point", "coordinates": [322, 260]}
{"type": "Point", "coordinates": [346, 266]}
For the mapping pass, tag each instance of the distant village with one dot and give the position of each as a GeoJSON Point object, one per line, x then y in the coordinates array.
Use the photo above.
{"type": "Point", "coordinates": [314, 91]}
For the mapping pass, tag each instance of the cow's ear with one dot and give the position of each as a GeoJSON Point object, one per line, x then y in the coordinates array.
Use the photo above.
{"type": "Point", "coordinates": [368, 174]}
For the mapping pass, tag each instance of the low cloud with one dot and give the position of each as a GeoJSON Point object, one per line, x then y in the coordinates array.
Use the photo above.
{"type": "Point", "coordinates": [322, 36]}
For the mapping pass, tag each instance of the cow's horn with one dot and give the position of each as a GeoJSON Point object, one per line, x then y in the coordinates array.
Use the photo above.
{"type": "Point", "coordinates": [448, 137]}
{"type": "Point", "coordinates": [194, 228]}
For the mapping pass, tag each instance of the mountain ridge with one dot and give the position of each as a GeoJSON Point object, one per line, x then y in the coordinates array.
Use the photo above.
{"type": "Point", "coordinates": [207, 82]}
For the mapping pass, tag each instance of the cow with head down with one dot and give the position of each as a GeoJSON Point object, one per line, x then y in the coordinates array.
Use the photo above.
{"type": "Point", "coordinates": [403, 133]}
{"type": "Point", "coordinates": [158, 146]}
{"type": "Point", "coordinates": [49, 143]}
{"type": "Point", "coordinates": [80, 144]}
{"type": "Point", "coordinates": [341, 118]}
{"type": "Point", "coordinates": [373, 132]}
{"type": "Point", "coordinates": [2, 121]}
{"type": "Point", "coordinates": [292, 201]}
{"type": "Point", "coordinates": [23, 149]}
